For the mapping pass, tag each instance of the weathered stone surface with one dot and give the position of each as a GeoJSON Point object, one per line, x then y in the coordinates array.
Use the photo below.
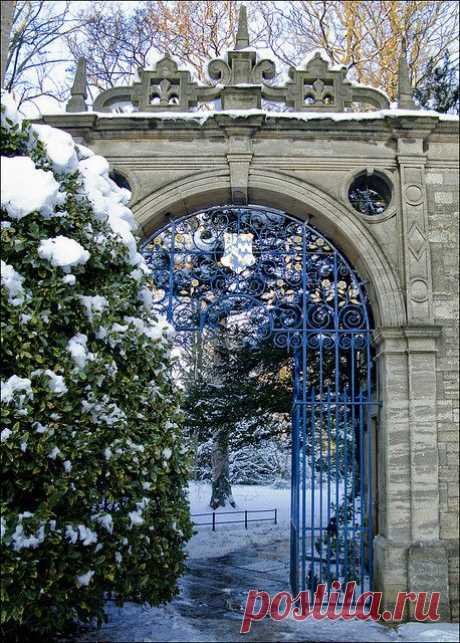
{"type": "Point", "coordinates": [428, 572]}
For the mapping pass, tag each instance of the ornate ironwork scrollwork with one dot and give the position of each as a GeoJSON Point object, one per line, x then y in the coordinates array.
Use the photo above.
{"type": "Point", "coordinates": [280, 273]}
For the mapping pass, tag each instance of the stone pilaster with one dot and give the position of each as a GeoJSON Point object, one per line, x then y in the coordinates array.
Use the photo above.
{"type": "Point", "coordinates": [408, 553]}
{"type": "Point", "coordinates": [417, 258]}
{"type": "Point", "coordinates": [394, 438]}
{"type": "Point", "coordinates": [421, 352]}
{"type": "Point", "coordinates": [239, 158]}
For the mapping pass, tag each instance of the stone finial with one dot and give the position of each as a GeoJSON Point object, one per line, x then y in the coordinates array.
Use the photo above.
{"type": "Point", "coordinates": [242, 35]}
{"type": "Point", "coordinates": [78, 92]}
{"type": "Point", "coordinates": [405, 100]}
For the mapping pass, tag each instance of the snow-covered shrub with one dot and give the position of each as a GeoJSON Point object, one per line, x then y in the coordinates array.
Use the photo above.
{"type": "Point", "coordinates": [93, 469]}
{"type": "Point", "coordinates": [202, 467]}
{"type": "Point", "coordinates": [265, 463]}
{"type": "Point", "coordinates": [259, 464]}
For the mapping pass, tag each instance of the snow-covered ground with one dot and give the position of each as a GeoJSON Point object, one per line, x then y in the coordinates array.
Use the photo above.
{"type": "Point", "coordinates": [223, 566]}
{"type": "Point", "coordinates": [137, 623]}
{"type": "Point", "coordinates": [231, 537]}
{"type": "Point", "coordinates": [439, 632]}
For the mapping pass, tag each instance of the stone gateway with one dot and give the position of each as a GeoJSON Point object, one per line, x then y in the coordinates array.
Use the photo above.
{"type": "Point", "coordinates": [382, 187]}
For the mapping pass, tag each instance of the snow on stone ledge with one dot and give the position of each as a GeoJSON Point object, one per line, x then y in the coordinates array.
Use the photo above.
{"type": "Point", "coordinates": [26, 189]}
{"type": "Point", "coordinates": [201, 116]}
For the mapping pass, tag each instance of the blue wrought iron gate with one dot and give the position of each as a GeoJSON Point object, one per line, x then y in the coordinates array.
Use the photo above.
{"type": "Point", "coordinates": [294, 287]}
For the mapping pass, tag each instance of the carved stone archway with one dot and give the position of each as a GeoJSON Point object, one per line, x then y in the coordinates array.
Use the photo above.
{"type": "Point", "coordinates": [302, 161]}
{"type": "Point", "coordinates": [276, 190]}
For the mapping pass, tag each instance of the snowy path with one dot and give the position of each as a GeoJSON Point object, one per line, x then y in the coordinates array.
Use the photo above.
{"type": "Point", "coordinates": [209, 608]}
{"type": "Point", "coordinates": [222, 567]}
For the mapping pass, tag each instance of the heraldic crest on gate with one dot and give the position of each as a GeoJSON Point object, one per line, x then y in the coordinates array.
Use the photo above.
{"type": "Point", "coordinates": [296, 289]}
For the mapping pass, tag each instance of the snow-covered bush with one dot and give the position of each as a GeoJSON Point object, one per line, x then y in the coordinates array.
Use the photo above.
{"type": "Point", "coordinates": [202, 467]}
{"type": "Point", "coordinates": [267, 462]}
{"type": "Point", "coordinates": [93, 469]}
{"type": "Point", "coordinates": [261, 464]}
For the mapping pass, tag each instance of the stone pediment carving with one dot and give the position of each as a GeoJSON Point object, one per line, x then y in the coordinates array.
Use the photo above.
{"type": "Point", "coordinates": [242, 81]}
{"type": "Point", "coordinates": [164, 87]}
{"type": "Point", "coordinates": [319, 87]}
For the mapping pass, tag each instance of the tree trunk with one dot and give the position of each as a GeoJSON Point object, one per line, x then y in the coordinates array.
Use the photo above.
{"type": "Point", "coordinates": [221, 489]}
{"type": "Point", "coordinates": [7, 11]}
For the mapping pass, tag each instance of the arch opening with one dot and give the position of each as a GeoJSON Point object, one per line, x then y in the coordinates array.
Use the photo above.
{"type": "Point", "coordinates": [282, 282]}
{"type": "Point", "coordinates": [272, 190]}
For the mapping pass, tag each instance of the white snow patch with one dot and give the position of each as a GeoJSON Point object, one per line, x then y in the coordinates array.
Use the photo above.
{"type": "Point", "coordinates": [26, 189]}
{"type": "Point", "coordinates": [71, 534]}
{"type": "Point", "coordinates": [140, 271]}
{"type": "Point", "coordinates": [86, 535]}
{"type": "Point", "coordinates": [59, 147]}
{"type": "Point", "coordinates": [63, 252]}
{"type": "Point", "coordinates": [103, 411]}
{"type": "Point", "coordinates": [84, 579]}
{"type": "Point", "coordinates": [229, 538]}
{"type": "Point", "coordinates": [77, 347]}
{"type": "Point", "coordinates": [12, 281]}
{"type": "Point", "coordinates": [70, 280]}
{"type": "Point", "coordinates": [5, 434]}
{"type": "Point", "coordinates": [39, 427]}
{"type": "Point", "coordinates": [135, 518]}
{"type": "Point", "coordinates": [123, 230]}
{"type": "Point", "coordinates": [120, 211]}
{"type": "Point", "coordinates": [436, 632]}
{"type": "Point", "coordinates": [153, 329]}
{"type": "Point", "coordinates": [93, 304]}
{"type": "Point", "coordinates": [146, 297]}
{"type": "Point", "coordinates": [83, 152]}
{"type": "Point", "coordinates": [56, 382]}
{"type": "Point", "coordinates": [105, 520]}
{"type": "Point", "coordinates": [19, 539]}
{"type": "Point", "coordinates": [202, 116]}
{"type": "Point", "coordinates": [14, 384]}
{"type": "Point", "coordinates": [9, 110]}
{"type": "Point", "coordinates": [109, 202]}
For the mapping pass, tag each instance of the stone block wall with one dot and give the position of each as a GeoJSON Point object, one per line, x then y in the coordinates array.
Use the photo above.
{"type": "Point", "coordinates": [443, 209]}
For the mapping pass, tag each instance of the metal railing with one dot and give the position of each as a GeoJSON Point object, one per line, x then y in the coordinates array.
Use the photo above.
{"type": "Point", "coordinates": [245, 520]}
